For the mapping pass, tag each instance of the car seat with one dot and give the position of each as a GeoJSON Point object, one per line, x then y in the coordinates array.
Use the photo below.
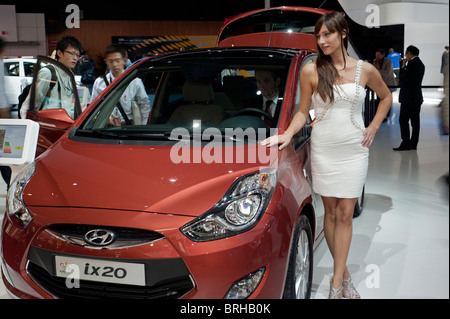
{"type": "Point", "coordinates": [198, 96]}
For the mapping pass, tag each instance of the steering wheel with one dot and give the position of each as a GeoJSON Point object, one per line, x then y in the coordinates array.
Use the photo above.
{"type": "Point", "coordinates": [256, 112]}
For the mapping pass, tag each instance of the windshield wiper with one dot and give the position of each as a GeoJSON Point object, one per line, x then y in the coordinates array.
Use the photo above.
{"type": "Point", "coordinates": [125, 134]}
{"type": "Point", "coordinates": [163, 136]}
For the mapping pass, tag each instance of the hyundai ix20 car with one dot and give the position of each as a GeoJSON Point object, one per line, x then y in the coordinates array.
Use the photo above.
{"type": "Point", "coordinates": [186, 204]}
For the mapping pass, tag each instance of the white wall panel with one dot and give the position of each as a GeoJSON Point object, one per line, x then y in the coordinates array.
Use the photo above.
{"type": "Point", "coordinates": [8, 25]}
{"type": "Point", "coordinates": [426, 27]}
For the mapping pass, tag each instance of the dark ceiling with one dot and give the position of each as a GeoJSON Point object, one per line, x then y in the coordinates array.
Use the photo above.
{"type": "Point", "coordinates": [366, 40]}
{"type": "Point", "coordinates": [209, 10]}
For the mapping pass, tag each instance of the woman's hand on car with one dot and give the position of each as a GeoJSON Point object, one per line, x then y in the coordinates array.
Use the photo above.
{"type": "Point", "coordinates": [283, 140]}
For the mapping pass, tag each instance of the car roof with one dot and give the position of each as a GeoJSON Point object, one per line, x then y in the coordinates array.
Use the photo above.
{"type": "Point", "coordinates": [247, 52]}
{"type": "Point", "coordinates": [273, 38]}
{"type": "Point", "coordinates": [20, 59]}
{"type": "Point", "coordinates": [274, 9]}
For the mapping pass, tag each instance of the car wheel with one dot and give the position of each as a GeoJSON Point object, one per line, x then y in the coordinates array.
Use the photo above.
{"type": "Point", "coordinates": [359, 205]}
{"type": "Point", "coordinates": [300, 269]}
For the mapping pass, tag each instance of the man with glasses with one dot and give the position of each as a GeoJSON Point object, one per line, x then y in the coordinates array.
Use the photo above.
{"type": "Point", "coordinates": [54, 87]}
{"type": "Point", "coordinates": [134, 104]}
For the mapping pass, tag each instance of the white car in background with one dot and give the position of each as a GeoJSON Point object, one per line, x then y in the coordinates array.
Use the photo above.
{"type": "Point", "coordinates": [18, 74]}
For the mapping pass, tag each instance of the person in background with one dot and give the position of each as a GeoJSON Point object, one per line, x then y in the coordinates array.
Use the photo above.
{"type": "Point", "coordinates": [268, 83]}
{"type": "Point", "coordinates": [445, 101]}
{"type": "Point", "coordinates": [444, 59]}
{"type": "Point", "coordinates": [384, 66]}
{"type": "Point", "coordinates": [410, 98]}
{"type": "Point", "coordinates": [444, 107]}
{"type": "Point", "coordinates": [86, 68]}
{"type": "Point", "coordinates": [395, 58]}
{"type": "Point", "coordinates": [5, 109]}
{"type": "Point", "coordinates": [115, 58]}
{"type": "Point", "coordinates": [68, 52]}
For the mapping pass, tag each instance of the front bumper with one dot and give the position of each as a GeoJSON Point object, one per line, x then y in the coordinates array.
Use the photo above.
{"type": "Point", "coordinates": [176, 267]}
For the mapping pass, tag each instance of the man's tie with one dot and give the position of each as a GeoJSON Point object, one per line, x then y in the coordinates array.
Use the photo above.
{"type": "Point", "coordinates": [268, 110]}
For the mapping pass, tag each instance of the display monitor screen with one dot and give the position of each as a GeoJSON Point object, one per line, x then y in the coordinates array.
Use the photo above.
{"type": "Point", "coordinates": [12, 140]}
{"type": "Point", "coordinates": [18, 141]}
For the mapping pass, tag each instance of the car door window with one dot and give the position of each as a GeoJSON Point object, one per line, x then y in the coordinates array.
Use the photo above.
{"type": "Point", "coordinates": [28, 68]}
{"type": "Point", "coordinates": [12, 69]}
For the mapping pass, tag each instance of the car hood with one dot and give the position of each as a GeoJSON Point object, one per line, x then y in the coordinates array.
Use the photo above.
{"type": "Point", "coordinates": [134, 178]}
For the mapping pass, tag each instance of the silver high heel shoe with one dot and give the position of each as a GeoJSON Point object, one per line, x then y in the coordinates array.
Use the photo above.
{"type": "Point", "coordinates": [335, 293]}
{"type": "Point", "coordinates": [348, 289]}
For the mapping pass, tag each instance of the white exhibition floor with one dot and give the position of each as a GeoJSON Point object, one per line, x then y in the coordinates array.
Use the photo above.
{"type": "Point", "coordinates": [400, 246]}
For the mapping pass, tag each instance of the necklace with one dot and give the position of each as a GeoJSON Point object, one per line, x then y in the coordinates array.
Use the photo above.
{"type": "Point", "coordinates": [352, 102]}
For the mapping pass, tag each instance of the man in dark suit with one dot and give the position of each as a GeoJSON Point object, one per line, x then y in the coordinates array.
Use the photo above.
{"type": "Point", "coordinates": [266, 99]}
{"type": "Point", "coordinates": [268, 83]}
{"type": "Point", "coordinates": [410, 98]}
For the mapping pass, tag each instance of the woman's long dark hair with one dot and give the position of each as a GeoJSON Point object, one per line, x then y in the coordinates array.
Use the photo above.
{"type": "Point", "coordinates": [328, 75]}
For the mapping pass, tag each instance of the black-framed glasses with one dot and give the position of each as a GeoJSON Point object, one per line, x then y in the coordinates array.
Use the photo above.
{"type": "Point", "coordinates": [73, 54]}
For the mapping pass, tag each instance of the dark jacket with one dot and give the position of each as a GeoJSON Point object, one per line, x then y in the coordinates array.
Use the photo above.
{"type": "Point", "coordinates": [411, 78]}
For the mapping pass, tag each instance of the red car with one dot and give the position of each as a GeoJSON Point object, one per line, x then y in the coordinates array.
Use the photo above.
{"type": "Point", "coordinates": [186, 204]}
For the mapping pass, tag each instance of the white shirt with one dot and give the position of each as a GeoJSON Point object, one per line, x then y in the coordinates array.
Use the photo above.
{"type": "Point", "coordinates": [134, 92]}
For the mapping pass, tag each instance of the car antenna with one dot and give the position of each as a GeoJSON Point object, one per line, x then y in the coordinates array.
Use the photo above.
{"type": "Point", "coordinates": [322, 4]}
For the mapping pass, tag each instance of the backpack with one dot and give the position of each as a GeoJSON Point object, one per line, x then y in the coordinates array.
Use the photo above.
{"type": "Point", "coordinates": [23, 97]}
{"type": "Point", "coordinates": [26, 89]}
{"type": "Point", "coordinates": [88, 76]}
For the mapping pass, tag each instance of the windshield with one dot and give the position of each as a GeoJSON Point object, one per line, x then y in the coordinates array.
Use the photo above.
{"type": "Point", "coordinates": [192, 93]}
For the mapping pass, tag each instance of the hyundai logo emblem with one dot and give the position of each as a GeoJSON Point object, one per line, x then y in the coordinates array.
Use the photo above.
{"type": "Point", "coordinates": [99, 237]}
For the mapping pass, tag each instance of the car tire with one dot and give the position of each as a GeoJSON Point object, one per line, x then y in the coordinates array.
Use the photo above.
{"type": "Point", "coordinates": [359, 205]}
{"type": "Point", "coordinates": [300, 268]}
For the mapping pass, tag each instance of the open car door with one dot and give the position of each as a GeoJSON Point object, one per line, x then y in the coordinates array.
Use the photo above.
{"type": "Point", "coordinates": [54, 101]}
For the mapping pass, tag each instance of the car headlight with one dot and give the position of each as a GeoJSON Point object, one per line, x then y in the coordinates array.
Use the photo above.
{"type": "Point", "coordinates": [238, 211]}
{"type": "Point", "coordinates": [15, 207]}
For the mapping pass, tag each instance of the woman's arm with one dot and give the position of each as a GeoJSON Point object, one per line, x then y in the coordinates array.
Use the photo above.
{"type": "Point", "coordinates": [376, 83]}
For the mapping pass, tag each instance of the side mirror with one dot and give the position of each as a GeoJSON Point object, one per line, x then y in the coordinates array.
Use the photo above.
{"type": "Point", "coordinates": [57, 118]}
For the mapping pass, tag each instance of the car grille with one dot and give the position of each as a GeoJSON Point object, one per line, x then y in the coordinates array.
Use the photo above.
{"type": "Point", "coordinates": [124, 237]}
{"type": "Point", "coordinates": [93, 290]}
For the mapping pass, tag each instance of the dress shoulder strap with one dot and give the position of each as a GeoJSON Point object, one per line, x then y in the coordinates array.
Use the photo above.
{"type": "Point", "coordinates": [358, 71]}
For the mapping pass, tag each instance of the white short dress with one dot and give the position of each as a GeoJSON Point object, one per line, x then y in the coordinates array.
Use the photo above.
{"type": "Point", "coordinates": [338, 160]}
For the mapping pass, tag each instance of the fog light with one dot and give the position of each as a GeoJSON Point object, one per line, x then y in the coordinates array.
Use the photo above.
{"type": "Point", "coordinates": [245, 287]}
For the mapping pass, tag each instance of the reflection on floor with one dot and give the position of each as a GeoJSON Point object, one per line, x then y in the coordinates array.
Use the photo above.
{"type": "Point", "coordinates": [400, 246]}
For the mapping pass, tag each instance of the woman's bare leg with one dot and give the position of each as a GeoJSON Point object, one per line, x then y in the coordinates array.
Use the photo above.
{"type": "Point", "coordinates": [338, 233]}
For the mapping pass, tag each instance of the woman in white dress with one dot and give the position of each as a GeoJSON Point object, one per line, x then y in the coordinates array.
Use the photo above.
{"type": "Point", "coordinates": [339, 141]}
